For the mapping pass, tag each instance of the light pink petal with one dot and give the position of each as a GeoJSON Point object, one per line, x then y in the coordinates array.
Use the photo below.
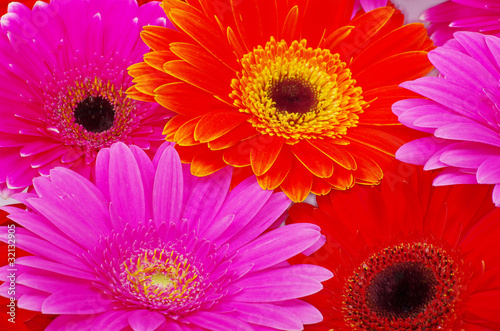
{"type": "Point", "coordinates": [80, 323]}
{"type": "Point", "coordinates": [49, 282]}
{"type": "Point", "coordinates": [168, 188]}
{"type": "Point", "coordinates": [369, 5]}
{"type": "Point", "coordinates": [496, 195]}
{"type": "Point", "coordinates": [125, 185]}
{"type": "Point", "coordinates": [145, 320]}
{"type": "Point", "coordinates": [78, 301]}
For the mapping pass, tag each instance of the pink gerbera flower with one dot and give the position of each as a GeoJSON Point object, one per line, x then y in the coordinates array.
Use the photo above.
{"type": "Point", "coordinates": [462, 15]}
{"type": "Point", "coordinates": [462, 113]}
{"type": "Point", "coordinates": [368, 5]}
{"type": "Point", "coordinates": [64, 72]}
{"type": "Point", "coordinates": [151, 247]}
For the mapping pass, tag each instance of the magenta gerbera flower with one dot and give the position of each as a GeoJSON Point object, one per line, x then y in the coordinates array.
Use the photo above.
{"type": "Point", "coordinates": [369, 5]}
{"type": "Point", "coordinates": [151, 247]}
{"type": "Point", "coordinates": [63, 70]}
{"type": "Point", "coordinates": [461, 113]}
{"type": "Point", "coordinates": [460, 15]}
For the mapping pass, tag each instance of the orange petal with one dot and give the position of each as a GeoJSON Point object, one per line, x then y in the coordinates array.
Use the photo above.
{"type": "Point", "coordinates": [185, 98]}
{"type": "Point", "coordinates": [185, 134]}
{"type": "Point", "coordinates": [264, 152]}
{"type": "Point", "coordinates": [368, 171]}
{"type": "Point", "coordinates": [337, 36]}
{"type": "Point", "coordinates": [159, 38]}
{"type": "Point", "coordinates": [198, 57]}
{"type": "Point", "coordinates": [297, 184]}
{"type": "Point", "coordinates": [240, 133]}
{"type": "Point", "coordinates": [342, 179]}
{"type": "Point", "coordinates": [192, 75]}
{"type": "Point", "coordinates": [206, 162]}
{"type": "Point", "coordinates": [158, 59]}
{"type": "Point", "coordinates": [217, 123]}
{"type": "Point", "coordinates": [320, 186]}
{"type": "Point", "coordinates": [141, 68]}
{"type": "Point", "coordinates": [394, 70]}
{"type": "Point", "coordinates": [279, 170]}
{"type": "Point", "coordinates": [135, 94]}
{"type": "Point", "coordinates": [338, 154]}
{"type": "Point", "coordinates": [173, 125]}
{"type": "Point", "coordinates": [149, 83]}
{"type": "Point", "coordinates": [314, 160]}
{"type": "Point", "coordinates": [206, 33]}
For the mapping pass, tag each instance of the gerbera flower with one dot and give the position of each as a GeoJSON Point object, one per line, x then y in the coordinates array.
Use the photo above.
{"type": "Point", "coordinates": [63, 86]}
{"type": "Point", "coordinates": [151, 247]}
{"type": "Point", "coordinates": [458, 15]}
{"type": "Point", "coordinates": [461, 112]}
{"type": "Point", "coordinates": [291, 91]}
{"type": "Point", "coordinates": [407, 256]}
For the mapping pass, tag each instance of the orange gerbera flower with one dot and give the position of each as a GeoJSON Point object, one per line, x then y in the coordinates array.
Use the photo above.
{"type": "Point", "coordinates": [292, 91]}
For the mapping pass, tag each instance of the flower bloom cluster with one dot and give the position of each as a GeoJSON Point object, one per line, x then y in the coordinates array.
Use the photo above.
{"type": "Point", "coordinates": [276, 201]}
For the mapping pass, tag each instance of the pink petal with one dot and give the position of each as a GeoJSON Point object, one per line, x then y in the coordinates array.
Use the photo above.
{"type": "Point", "coordinates": [489, 171]}
{"type": "Point", "coordinates": [218, 322]}
{"type": "Point", "coordinates": [111, 320]}
{"type": "Point", "coordinates": [78, 300]}
{"type": "Point", "coordinates": [145, 320]}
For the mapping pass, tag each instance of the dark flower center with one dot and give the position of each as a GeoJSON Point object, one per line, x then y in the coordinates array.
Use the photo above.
{"type": "Point", "coordinates": [401, 290]}
{"type": "Point", "coordinates": [95, 114]}
{"type": "Point", "coordinates": [293, 95]}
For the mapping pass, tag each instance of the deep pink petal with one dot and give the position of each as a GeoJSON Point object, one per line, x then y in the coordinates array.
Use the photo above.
{"type": "Point", "coordinates": [145, 320]}
{"type": "Point", "coordinates": [78, 300]}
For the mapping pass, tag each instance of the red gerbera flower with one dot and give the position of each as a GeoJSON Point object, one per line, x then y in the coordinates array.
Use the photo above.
{"type": "Point", "coordinates": [407, 256]}
{"type": "Point", "coordinates": [292, 91]}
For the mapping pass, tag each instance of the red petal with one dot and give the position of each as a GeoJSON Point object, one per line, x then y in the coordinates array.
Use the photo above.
{"type": "Point", "coordinates": [238, 155]}
{"type": "Point", "coordinates": [377, 139]}
{"type": "Point", "coordinates": [159, 38]}
{"type": "Point", "coordinates": [342, 179]}
{"type": "Point", "coordinates": [185, 134]}
{"type": "Point", "coordinates": [320, 186]}
{"type": "Point", "coordinates": [158, 59]}
{"type": "Point", "coordinates": [173, 125]}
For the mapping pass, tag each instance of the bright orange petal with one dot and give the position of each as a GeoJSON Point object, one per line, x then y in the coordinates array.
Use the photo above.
{"type": "Point", "coordinates": [335, 152]}
{"type": "Point", "coordinates": [159, 38]}
{"type": "Point", "coordinates": [206, 162]}
{"type": "Point", "coordinates": [320, 186]}
{"type": "Point", "coordinates": [238, 155]}
{"type": "Point", "coordinates": [184, 135]}
{"type": "Point", "coordinates": [314, 160]}
{"type": "Point", "coordinates": [215, 124]}
{"type": "Point", "coordinates": [297, 184]}
{"type": "Point", "coordinates": [278, 172]}
{"type": "Point", "coordinates": [173, 125]}
{"type": "Point", "coordinates": [264, 152]}
{"type": "Point", "coordinates": [242, 132]}
{"type": "Point", "coordinates": [342, 179]}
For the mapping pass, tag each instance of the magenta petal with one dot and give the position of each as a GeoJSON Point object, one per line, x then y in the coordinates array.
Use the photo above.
{"type": "Point", "coordinates": [218, 322]}
{"type": "Point", "coordinates": [419, 151]}
{"type": "Point", "coordinates": [147, 174]}
{"type": "Point", "coordinates": [496, 195]}
{"type": "Point", "coordinates": [469, 132]}
{"type": "Point", "coordinates": [145, 320]}
{"type": "Point", "coordinates": [102, 172]}
{"type": "Point", "coordinates": [49, 282]}
{"type": "Point", "coordinates": [270, 212]}
{"type": "Point", "coordinates": [451, 176]}
{"type": "Point", "coordinates": [269, 315]}
{"type": "Point", "coordinates": [307, 313]}
{"type": "Point", "coordinates": [168, 188]}
{"type": "Point", "coordinates": [111, 320]}
{"type": "Point", "coordinates": [276, 246]}
{"type": "Point", "coordinates": [489, 171]}
{"type": "Point", "coordinates": [78, 300]}
{"type": "Point", "coordinates": [81, 323]}
{"type": "Point", "coordinates": [43, 264]}
{"type": "Point", "coordinates": [468, 155]}
{"type": "Point", "coordinates": [32, 301]}
{"type": "Point", "coordinates": [125, 184]}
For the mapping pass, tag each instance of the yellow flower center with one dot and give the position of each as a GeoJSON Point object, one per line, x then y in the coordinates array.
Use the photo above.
{"type": "Point", "coordinates": [159, 276]}
{"type": "Point", "coordinates": [297, 92]}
